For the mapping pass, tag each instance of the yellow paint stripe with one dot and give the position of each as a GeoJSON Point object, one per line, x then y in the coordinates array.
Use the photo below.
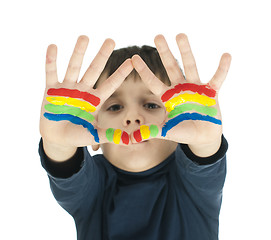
{"type": "Point", "coordinates": [72, 102]}
{"type": "Point", "coordinates": [117, 136]}
{"type": "Point", "coordinates": [145, 131]}
{"type": "Point", "coordinates": [186, 97]}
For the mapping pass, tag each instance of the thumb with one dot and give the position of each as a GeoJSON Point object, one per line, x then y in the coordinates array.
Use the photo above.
{"type": "Point", "coordinates": [146, 132]}
{"type": "Point", "coordinates": [221, 73]}
{"type": "Point", "coordinates": [116, 136]}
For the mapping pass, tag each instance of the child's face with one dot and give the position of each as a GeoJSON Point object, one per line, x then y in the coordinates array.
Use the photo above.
{"type": "Point", "coordinates": [129, 107]}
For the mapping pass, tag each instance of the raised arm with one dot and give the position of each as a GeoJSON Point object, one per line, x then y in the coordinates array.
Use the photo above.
{"type": "Point", "coordinates": [193, 113]}
{"type": "Point", "coordinates": [69, 108]}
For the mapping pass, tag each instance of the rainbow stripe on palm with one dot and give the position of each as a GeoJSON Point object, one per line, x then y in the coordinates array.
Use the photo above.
{"type": "Point", "coordinates": [200, 102]}
{"type": "Point", "coordinates": [72, 105]}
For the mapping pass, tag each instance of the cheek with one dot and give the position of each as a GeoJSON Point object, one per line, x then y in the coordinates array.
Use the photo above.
{"type": "Point", "coordinates": [157, 117]}
{"type": "Point", "coordinates": [105, 120]}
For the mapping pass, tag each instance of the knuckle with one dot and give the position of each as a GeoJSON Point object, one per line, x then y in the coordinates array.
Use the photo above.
{"type": "Point", "coordinates": [95, 67]}
{"type": "Point", "coordinates": [73, 67]}
{"type": "Point", "coordinates": [51, 72]}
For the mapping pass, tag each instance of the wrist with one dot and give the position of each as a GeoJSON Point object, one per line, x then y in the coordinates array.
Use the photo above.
{"type": "Point", "coordinates": [205, 150]}
{"type": "Point", "coordinates": [58, 153]}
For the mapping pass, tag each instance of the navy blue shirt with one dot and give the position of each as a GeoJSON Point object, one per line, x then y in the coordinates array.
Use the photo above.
{"type": "Point", "coordinates": [179, 199]}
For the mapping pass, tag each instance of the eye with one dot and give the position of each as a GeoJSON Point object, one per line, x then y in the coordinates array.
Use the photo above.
{"type": "Point", "coordinates": [114, 108]}
{"type": "Point", "coordinates": [151, 106]}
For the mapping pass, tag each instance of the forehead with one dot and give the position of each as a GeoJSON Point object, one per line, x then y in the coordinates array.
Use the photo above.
{"type": "Point", "coordinates": [132, 87]}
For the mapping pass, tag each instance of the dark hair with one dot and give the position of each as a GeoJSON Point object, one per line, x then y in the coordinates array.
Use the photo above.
{"type": "Point", "coordinates": [149, 54]}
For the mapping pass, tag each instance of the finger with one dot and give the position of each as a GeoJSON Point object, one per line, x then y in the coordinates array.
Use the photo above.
{"type": "Point", "coordinates": [221, 72]}
{"type": "Point", "coordinates": [146, 132]}
{"type": "Point", "coordinates": [115, 136]}
{"type": "Point", "coordinates": [188, 59]}
{"type": "Point", "coordinates": [173, 70]}
{"type": "Point", "coordinates": [97, 65]}
{"type": "Point", "coordinates": [76, 60]}
{"type": "Point", "coordinates": [109, 86]}
{"type": "Point", "coordinates": [147, 76]}
{"type": "Point", "coordinates": [50, 67]}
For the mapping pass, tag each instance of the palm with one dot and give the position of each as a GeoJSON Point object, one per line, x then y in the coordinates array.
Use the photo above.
{"type": "Point", "coordinates": [69, 105]}
{"type": "Point", "coordinates": [184, 129]}
{"type": "Point", "coordinates": [64, 132]}
{"type": "Point", "coordinates": [184, 118]}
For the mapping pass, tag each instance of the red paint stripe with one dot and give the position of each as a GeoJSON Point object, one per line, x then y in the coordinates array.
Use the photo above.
{"type": "Point", "coordinates": [189, 87]}
{"type": "Point", "coordinates": [95, 101]}
{"type": "Point", "coordinates": [125, 138]}
{"type": "Point", "coordinates": [137, 135]}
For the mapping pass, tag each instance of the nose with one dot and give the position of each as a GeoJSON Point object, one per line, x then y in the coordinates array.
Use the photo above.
{"type": "Point", "coordinates": [133, 117]}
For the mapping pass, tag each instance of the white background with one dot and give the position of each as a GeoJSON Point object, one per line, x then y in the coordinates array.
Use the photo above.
{"type": "Point", "coordinates": [242, 28]}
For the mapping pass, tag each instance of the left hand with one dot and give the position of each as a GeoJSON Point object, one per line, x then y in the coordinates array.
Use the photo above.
{"type": "Point", "coordinates": [203, 129]}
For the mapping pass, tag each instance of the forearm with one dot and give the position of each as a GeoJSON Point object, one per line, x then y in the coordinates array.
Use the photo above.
{"type": "Point", "coordinates": [58, 153]}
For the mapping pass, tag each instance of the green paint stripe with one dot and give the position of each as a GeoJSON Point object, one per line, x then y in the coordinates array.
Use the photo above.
{"type": "Point", "coordinates": [110, 134]}
{"type": "Point", "coordinates": [210, 111]}
{"type": "Point", "coordinates": [154, 130]}
{"type": "Point", "coordinates": [74, 111]}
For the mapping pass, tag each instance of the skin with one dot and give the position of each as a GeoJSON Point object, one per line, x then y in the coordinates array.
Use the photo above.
{"type": "Point", "coordinates": [135, 97]}
{"type": "Point", "coordinates": [132, 105]}
{"type": "Point", "coordinates": [203, 138]}
{"type": "Point", "coordinates": [61, 139]}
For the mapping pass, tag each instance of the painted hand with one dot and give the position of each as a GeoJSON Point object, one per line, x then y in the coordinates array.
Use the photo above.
{"type": "Point", "coordinates": [193, 114]}
{"type": "Point", "coordinates": [70, 108]}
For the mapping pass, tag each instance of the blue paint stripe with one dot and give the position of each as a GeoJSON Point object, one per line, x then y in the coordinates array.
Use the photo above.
{"type": "Point", "coordinates": [187, 116]}
{"type": "Point", "coordinates": [74, 120]}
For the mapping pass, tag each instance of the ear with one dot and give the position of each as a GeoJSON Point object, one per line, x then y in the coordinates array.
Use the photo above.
{"type": "Point", "coordinates": [95, 147]}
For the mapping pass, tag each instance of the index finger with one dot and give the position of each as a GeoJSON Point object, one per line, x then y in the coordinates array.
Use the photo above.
{"type": "Point", "coordinates": [221, 72]}
{"type": "Point", "coordinates": [109, 86]}
{"type": "Point", "coordinates": [97, 65]}
{"type": "Point", "coordinates": [147, 76]}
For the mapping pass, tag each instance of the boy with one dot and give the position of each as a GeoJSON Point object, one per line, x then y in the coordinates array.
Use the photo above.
{"type": "Point", "coordinates": [163, 165]}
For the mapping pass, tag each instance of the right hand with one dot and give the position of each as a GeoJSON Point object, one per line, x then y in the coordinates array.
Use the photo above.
{"type": "Point", "coordinates": [65, 133]}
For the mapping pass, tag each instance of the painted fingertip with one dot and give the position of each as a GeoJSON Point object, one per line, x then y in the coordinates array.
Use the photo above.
{"type": "Point", "coordinates": [125, 138]}
{"type": "Point", "coordinates": [154, 130]}
{"type": "Point", "coordinates": [109, 134]}
{"type": "Point", "coordinates": [137, 136]}
{"type": "Point", "coordinates": [145, 132]}
{"type": "Point", "coordinates": [115, 135]}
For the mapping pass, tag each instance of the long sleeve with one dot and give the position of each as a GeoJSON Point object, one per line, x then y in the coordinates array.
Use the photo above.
{"type": "Point", "coordinates": [70, 180]}
{"type": "Point", "coordinates": [178, 199]}
{"type": "Point", "coordinates": [203, 180]}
